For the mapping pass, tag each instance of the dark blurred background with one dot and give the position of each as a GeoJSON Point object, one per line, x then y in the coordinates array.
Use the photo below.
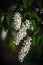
{"type": "Point", "coordinates": [5, 4]}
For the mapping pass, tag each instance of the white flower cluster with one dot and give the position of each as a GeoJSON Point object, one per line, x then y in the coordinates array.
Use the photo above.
{"type": "Point", "coordinates": [25, 49]}
{"type": "Point", "coordinates": [17, 21]}
{"type": "Point", "coordinates": [22, 32]}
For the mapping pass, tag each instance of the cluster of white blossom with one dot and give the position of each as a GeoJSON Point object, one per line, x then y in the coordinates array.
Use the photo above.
{"type": "Point", "coordinates": [25, 49]}
{"type": "Point", "coordinates": [22, 32]}
{"type": "Point", "coordinates": [16, 21]}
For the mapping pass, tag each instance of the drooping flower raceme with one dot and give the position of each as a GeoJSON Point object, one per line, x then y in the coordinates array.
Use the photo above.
{"type": "Point", "coordinates": [20, 32]}
{"type": "Point", "coordinates": [16, 21]}
{"type": "Point", "coordinates": [25, 49]}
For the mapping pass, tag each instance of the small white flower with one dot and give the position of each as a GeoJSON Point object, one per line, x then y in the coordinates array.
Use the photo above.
{"type": "Point", "coordinates": [32, 28]}
{"type": "Point", "coordinates": [27, 22]}
{"type": "Point", "coordinates": [24, 27]}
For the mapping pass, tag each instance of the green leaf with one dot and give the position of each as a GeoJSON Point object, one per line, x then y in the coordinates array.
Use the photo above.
{"type": "Point", "coordinates": [12, 46]}
{"type": "Point", "coordinates": [9, 18]}
{"type": "Point", "coordinates": [27, 3]}
{"type": "Point", "coordinates": [33, 24]}
{"type": "Point", "coordinates": [34, 40]}
{"type": "Point", "coordinates": [26, 14]}
{"type": "Point", "coordinates": [5, 24]}
{"type": "Point", "coordinates": [34, 15]}
{"type": "Point", "coordinates": [40, 44]}
{"type": "Point", "coordinates": [20, 8]}
{"type": "Point", "coordinates": [38, 40]}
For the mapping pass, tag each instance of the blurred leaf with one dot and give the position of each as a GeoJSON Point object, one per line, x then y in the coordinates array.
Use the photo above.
{"type": "Point", "coordinates": [34, 38]}
{"type": "Point", "coordinates": [34, 24]}
{"type": "Point", "coordinates": [40, 3]}
{"type": "Point", "coordinates": [40, 44]}
{"type": "Point", "coordinates": [26, 14]}
{"type": "Point", "coordinates": [34, 15]}
{"type": "Point", "coordinates": [12, 46]}
{"type": "Point", "coordinates": [5, 24]}
{"type": "Point", "coordinates": [27, 3]}
{"type": "Point", "coordinates": [0, 17]}
{"type": "Point", "coordinates": [17, 0]}
{"type": "Point", "coordinates": [20, 8]}
{"type": "Point", "coordinates": [38, 40]}
{"type": "Point", "coordinates": [7, 21]}
{"type": "Point", "coordinates": [9, 18]}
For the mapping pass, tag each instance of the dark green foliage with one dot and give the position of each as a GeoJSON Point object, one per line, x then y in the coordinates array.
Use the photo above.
{"type": "Point", "coordinates": [38, 42]}
{"type": "Point", "coordinates": [7, 20]}
{"type": "Point", "coordinates": [40, 3]}
{"type": "Point", "coordinates": [34, 24]}
{"type": "Point", "coordinates": [11, 45]}
{"type": "Point", "coordinates": [34, 15]}
{"type": "Point", "coordinates": [27, 3]}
